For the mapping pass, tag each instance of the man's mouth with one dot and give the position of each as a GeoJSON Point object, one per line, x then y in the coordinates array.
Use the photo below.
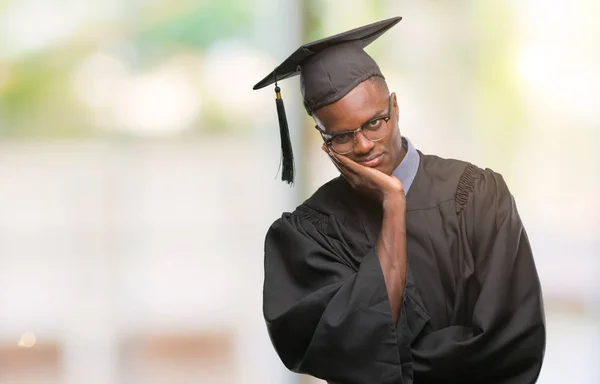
{"type": "Point", "coordinates": [372, 161]}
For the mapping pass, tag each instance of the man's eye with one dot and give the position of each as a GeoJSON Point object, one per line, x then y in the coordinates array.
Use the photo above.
{"type": "Point", "coordinates": [342, 139]}
{"type": "Point", "coordinates": [374, 124]}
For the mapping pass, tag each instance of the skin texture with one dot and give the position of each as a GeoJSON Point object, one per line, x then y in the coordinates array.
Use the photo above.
{"type": "Point", "coordinates": [368, 100]}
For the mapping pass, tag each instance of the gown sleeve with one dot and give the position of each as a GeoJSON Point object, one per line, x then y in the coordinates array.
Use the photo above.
{"type": "Point", "coordinates": [327, 316]}
{"type": "Point", "coordinates": [505, 340]}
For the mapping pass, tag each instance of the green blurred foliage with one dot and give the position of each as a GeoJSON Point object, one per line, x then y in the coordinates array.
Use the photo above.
{"type": "Point", "coordinates": [36, 94]}
{"type": "Point", "coordinates": [37, 100]}
{"type": "Point", "coordinates": [500, 105]}
{"type": "Point", "coordinates": [197, 25]}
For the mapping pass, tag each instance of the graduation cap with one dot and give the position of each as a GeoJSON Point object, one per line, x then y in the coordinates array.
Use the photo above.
{"type": "Point", "coordinates": [329, 68]}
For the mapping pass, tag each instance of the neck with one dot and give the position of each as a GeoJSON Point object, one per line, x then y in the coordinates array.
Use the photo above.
{"type": "Point", "coordinates": [403, 151]}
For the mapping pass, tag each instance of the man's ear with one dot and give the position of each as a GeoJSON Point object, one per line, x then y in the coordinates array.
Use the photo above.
{"type": "Point", "coordinates": [395, 106]}
{"type": "Point", "coordinates": [316, 120]}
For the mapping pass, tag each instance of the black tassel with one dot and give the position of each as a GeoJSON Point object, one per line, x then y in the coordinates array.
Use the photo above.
{"type": "Point", "coordinates": [287, 154]}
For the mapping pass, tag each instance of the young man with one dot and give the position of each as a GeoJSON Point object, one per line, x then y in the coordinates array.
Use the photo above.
{"type": "Point", "coordinates": [408, 268]}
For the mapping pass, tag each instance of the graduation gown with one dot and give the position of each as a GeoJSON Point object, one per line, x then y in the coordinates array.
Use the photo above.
{"type": "Point", "coordinates": [472, 307]}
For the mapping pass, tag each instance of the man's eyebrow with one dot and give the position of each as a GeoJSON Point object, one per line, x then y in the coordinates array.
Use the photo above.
{"type": "Point", "coordinates": [374, 116]}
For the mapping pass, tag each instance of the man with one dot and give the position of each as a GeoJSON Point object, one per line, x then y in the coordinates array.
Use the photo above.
{"type": "Point", "coordinates": [408, 268]}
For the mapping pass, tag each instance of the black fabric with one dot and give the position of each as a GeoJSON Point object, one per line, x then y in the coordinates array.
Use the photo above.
{"type": "Point", "coordinates": [333, 66]}
{"type": "Point", "coordinates": [287, 152]}
{"type": "Point", "coordinates": [329, 75]}
{"type": "Point", "coordinates": [472, 309]}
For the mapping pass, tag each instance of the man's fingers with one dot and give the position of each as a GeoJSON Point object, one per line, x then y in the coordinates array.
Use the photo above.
{"type": "Point", "coordinates": [342, 160]}
{"type": "Point", "coordinates": [334, 160]}
{"type": "Point", "coordinates": [349, 163]}
{"type": "Point", "coordinates": [339, 167]}
{"type": "Point", "coordinates": [342, 168]}
{"type": "Point", "coordinates": [348, 173]}
{"type": "Point", "coordinates": [343, 165]}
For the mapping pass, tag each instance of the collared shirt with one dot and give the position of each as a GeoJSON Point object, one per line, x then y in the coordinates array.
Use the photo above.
{"type": "Point", "coordinates": [407, 170]}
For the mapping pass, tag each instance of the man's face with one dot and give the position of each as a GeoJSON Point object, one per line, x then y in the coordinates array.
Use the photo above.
{"type": "Point", "coordinates": [364, 103]}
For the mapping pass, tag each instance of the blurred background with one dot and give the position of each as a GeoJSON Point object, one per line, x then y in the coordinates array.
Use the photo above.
{"type": "Point", "coordinates": [140, 171]}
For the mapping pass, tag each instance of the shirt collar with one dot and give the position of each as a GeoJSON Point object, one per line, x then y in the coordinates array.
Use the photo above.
{"type": "Point", "coordinates": [407, 170]}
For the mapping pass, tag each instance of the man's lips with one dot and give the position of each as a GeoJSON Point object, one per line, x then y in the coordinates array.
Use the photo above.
{"type": "Point", "coordinates": [373, 161]}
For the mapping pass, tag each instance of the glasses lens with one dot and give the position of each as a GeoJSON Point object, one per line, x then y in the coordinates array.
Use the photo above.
{"type": "Point", "coordinates": [343, 144]}
{"type": "Point", "coordinates": [375, 130]}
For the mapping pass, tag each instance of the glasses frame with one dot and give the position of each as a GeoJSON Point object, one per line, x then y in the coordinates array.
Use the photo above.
{"type": "Point", "coordinates": [328, 137]}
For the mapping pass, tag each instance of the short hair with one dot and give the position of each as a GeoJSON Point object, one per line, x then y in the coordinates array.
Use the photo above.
{"type": "Point", "coordinates": [379, 83]}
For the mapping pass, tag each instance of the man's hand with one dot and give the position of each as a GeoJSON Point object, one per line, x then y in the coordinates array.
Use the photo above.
{"type": "Point", "coordinates": [367, 180]}
{"type": "Point", "coordinates": [391, 243]}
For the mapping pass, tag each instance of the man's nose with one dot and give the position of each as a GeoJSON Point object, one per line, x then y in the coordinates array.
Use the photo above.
{"type": "Point", "coordinates": [362, 145]}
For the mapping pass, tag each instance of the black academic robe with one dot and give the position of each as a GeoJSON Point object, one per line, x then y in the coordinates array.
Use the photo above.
{"type": "Point", "coordinates": [472, 307]}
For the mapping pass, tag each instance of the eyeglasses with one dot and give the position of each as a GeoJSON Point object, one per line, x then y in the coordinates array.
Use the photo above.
{"type": "Point", "coordinates": [344, 142]}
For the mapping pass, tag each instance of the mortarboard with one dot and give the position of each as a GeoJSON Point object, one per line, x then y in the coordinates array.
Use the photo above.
{"type": "Point", "coordinates": [329, 68]}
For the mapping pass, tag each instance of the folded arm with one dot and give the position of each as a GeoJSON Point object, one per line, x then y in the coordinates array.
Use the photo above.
{"type": "Point", "coordinates": [327, 317]}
